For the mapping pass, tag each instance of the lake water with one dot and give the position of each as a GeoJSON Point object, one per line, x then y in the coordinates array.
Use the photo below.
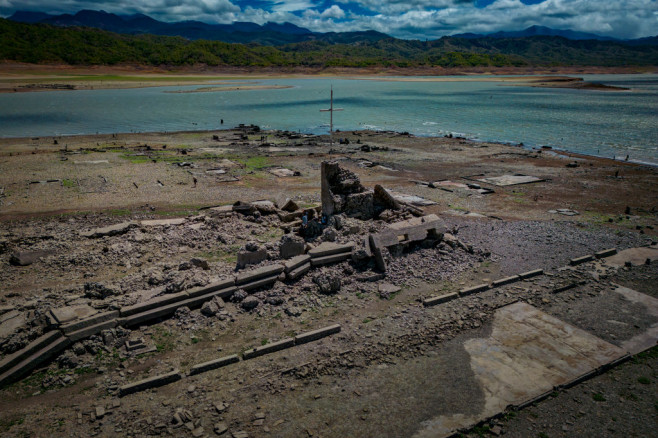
{"type": "Point", "coordinates": [592, 122]}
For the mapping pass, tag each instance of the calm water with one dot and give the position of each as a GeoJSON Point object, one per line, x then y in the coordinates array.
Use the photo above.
{"type": "Point", "coordinates": [592, 122]}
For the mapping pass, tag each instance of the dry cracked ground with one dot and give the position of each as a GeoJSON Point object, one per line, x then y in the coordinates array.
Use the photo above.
{"type": "Point", "coordinates": [395, 366]}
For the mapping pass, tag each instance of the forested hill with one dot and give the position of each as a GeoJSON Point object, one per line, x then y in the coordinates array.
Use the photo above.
{"type": "Point", "coordinates": [41, 43]}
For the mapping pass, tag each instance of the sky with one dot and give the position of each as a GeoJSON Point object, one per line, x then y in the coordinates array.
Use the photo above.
{"type": "Point", "coordinates": [410, 19]}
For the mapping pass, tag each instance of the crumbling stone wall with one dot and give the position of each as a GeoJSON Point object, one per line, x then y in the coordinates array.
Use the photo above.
{"type": "Point", "coordinates": [342, 192]}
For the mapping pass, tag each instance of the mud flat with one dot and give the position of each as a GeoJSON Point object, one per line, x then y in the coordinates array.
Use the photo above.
{"type": "Point", "coordinates": [195, 235]}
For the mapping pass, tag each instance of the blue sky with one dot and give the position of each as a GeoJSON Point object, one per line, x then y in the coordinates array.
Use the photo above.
{"type": "Point", "coordinates": [416, 19]}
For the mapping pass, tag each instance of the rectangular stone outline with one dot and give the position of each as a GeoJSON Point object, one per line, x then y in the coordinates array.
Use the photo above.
{"type": "Point", "coordinates": [473, 290]}
{"type": "Point", "coordinates": [433, 301]}
{"type": "Point", "coordinates": [151, 382]}
{"type": "Point", "coordinates": [317, 334]}
{"type": "Point", "coordinates": [214, 364]}
{"type": "Point", "coordinates": [580, 260]}
{"type": "Point", "coordinates": [269, 348]}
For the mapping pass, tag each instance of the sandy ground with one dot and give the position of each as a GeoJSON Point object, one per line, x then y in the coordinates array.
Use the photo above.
{"type": "Point", "coordinates": [51, 189]}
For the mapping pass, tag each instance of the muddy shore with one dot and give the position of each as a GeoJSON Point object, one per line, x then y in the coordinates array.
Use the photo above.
{"type": "Point", "coordinates": [53, 190]}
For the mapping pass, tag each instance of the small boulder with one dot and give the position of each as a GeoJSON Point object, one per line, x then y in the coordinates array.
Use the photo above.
{"type": "Point", "coordinates": [249, 303]}
{"type": "Point", "coordinates": [327, 284]}
{"type": "Point", "coordinates": [212, 307]}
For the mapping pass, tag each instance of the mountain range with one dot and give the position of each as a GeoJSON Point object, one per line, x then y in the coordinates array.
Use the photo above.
{"type": "Point", "coordinates": [273, 34]}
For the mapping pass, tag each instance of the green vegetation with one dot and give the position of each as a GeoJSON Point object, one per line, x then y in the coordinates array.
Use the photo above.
{"type": "Point", "coordinates": [164, 339]}
{"type": "Point", "coordinates": [41, 44]}
{"type": "Point", "coordinates": [598, 397]}
{"type": "Point", "coordinates": [644, 380]}
{"type": "Point", "coordinates": [68, 183]}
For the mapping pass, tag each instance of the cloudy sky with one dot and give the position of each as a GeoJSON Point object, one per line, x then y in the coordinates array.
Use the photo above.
{"type": "Point", "coordinates": [417, 19]}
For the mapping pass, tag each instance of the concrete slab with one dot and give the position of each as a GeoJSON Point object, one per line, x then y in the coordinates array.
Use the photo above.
{"type": "Point", "coordinates": [335, 258]}
{"type": "Point", "coordinates": [330, 248]}
{"type": "Point", "coordinates": [13, 322]}
{"type": "Point", "coordinates": [527, 355]}
{"type": "Point", "coordinates": [152, 382]}
{"type": "Point", "coordinates": [433, 301]}
{"type": "Point", "coordinates": [111, 230]}
{"type": "Point", "coordinates": [256, 274]}
{"type": "Point", "coordinates": [649, 338]}
{"type": "Point", "coordinates": [317, 334]}
{"type": "Point", "coordinates": [88, 322]}
{"type": "Point", "coordinates": [296, 262]}
{"type": "Point", "coordinates": [411, 199]}
{"type": "Point", "coordinates": [269, 348]}
{"type": "Point", "coordinates": [67, 314]}
{"type": "Point", "coordinates": [163, 222]}
{"type": "Point", "coordinates": [214, 364]}
{"type": "Point", "coordinates": [154, 303]}
{"type": "Point", "coordinates": [510, 180]}
{"type": "Point", "coordinates": [298, 272]}
{"type": "Point", "coordinates": [636, 256]}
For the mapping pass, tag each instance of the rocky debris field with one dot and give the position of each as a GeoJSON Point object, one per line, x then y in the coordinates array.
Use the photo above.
{"type": "Point", "coordinates": [378, 370]}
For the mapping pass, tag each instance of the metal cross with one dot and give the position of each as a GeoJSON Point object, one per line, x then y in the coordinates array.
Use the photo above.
{"type": "Point", "coordinates": [331, 115]}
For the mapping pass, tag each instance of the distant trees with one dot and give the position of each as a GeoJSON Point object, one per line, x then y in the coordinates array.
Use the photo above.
{"type": "Point", "coordinates": [37, 43]}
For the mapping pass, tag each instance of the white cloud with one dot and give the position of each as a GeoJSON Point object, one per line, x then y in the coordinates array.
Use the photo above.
{"type": "Point", "coordinates": [333, 12]}
{"type": "Point", "coordinates": [401, 18]}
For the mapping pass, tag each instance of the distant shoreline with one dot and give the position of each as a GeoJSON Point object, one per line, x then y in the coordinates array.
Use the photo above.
{"type": "Point", "coordinates": [17, 77]}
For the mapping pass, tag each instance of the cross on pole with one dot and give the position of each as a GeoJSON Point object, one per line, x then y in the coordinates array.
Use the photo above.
{"type": "Point", "coordinates": [331, 115]}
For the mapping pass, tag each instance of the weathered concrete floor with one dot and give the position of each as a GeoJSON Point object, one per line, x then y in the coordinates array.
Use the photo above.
{"type": "Point", "coordinates": [527, 354]}
{"type": "Point", "coordinates": [523, 354]}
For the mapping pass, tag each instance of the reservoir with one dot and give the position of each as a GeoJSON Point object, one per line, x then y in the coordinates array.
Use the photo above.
{"type": "Point", "coordinates": [605, 123]}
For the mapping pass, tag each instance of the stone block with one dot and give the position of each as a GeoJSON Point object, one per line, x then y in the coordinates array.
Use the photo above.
{"type": "Point", "coordinates": [330, 248]}
{"type": "Point", "coordinates": [290, 217]}
{"type": "Point", "coordinates": [296, 262]}
{"type": "Point", "coordinates": [151, 382]}
{"type": "Point", "coordinates": [506, 280]}
{"type": "Point", "coordinates": [31, 348]}
{"type": "Point", "coordinates": [163, 222]}
{"type": "Point", "coordinates": [580, 260]}
{"type": "Point", "coordinates": [531, 274]}
{"type": "Point", "coordinates": [256, 274]}
{"type": "Point", "coordinates": [28, 364]}
{"type": "Point", "coordinates": [605, 253]}
{"type": "Point", "coordinates": [226, 283]}
{"type": "Point", "coordinates": [26, 258]}
{"type": "Point", "coordinates": [269, 348]}
{"type": "Point", "coordinates": [91, 330]}
{"type": "Point", "coordinates": [291, 246]}
{"type": "Point", "coordinates": [251, 257]}
{"type": "Point", "coordinates": [88, 322]}
{"type": "Point", "coordinates": [154, 303]}
{"type": "Point", "coordinates": [319, 261]}
{"type": "Point", "coordinates": [317, 334]}
{"type": "Point", "coordinates": [64, 315]}
{"type": "Point", "coordinates": [111, 230]}
{"type": "Point", "coordinates": [260, 283]}
{"type": "Point", "coordinates": [473, 290]}
{"type": "Point", "coordinates": [298, 272]}
{"type": "Point", "coordinates": [214, 364]}
{"type": "Point", "coordinates": [433, 301]}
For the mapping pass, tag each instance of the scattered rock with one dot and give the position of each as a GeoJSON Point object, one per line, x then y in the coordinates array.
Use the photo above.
{"type": "Point", "coordinates": [212, 307]}
{"type": "Point", "coordinates": [220, 428]}
{"type": "Point", "coordinates": [327, 284]}
{"type": "Point", "coordinates": [249, 303]}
